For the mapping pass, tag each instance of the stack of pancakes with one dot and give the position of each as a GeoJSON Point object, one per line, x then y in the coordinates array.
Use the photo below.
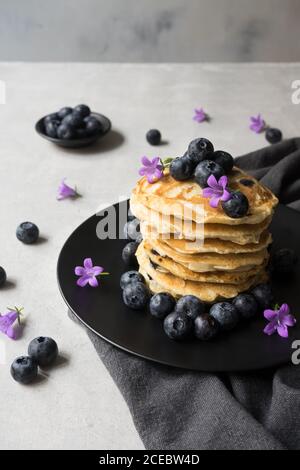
{"type": "Point", "coordinates": [189, 247]}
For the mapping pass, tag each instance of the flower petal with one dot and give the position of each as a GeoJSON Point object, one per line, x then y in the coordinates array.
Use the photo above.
{"type": "Point", "coordinates": [158, 174]}
{"type": "Point", "coordinates": [289, 320]}
{"type": "Point", "coordinates": [223, 181]}
{"type": "Point", "coordinates": [284, 309]}
{"type": "Point", "coordinates": [88, 263]}
{"type": "Point", "coordinates": [143, 171]}
{"type": "Point", "coordinates": [208, 192]}
{"type": "Point", "coordinates": [145, 161]}
{"type": "Point", "coordinates": [82, 281]}
{"type": "Point", "coordinates": [212, 182]}
{"type": "Point", "coordinates": [270, 328]}
{"type": "Point", "coordinates": [283, 331]}
{"type": "Point", "coordinates": [93, 282]}
{"type": "Point", "coordinates": [79, 270]}
{"type": "Point", "coordinates": [226, 195]}
{"type": "Point", "coordinates": [270, 314]}
{"type": "Point", "coordinates": [214, 201]}
{"type": "Point", "coordinates": [97, 270]}
{"type": "Point", "coordinates": [10, 332]}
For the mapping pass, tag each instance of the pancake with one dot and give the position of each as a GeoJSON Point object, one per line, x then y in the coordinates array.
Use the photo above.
{"type": "Point", "coordinates": [183, 199]}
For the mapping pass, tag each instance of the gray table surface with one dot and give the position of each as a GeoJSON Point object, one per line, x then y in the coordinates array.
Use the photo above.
{"type": "Point", "coordinates": [78, 406]}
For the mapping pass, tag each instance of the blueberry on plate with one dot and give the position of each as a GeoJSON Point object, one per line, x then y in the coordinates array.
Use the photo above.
{"type": "Point", "coordinates": [130, 277]}
{"type": "Point", "coordinates": [246, 305]}
{"type": "Point", "coordinates": [73, 120]}
{"type": "Point", "coordinates": [93, 125]}
{"type": "Point", "coordinates": [63, 112]}
{"type": "Point", "coordinates": [199, 150]}
{"type": "Point", "coordinates": [264, 295]}
{"type": "Point", "coordinates": [24, 369]}
{"type": "Point", "coordinates": [51, 128]}
{"type": "Point", "coordinates": [161, 305]}
{"type": "Point", "coordinates": [128, 253]}
{"type": "Point", "coordinates": [226, 315]}
{"type": "Point", "coordinates": [132, 229]}
{"type": "Point", "coordinates": [27, 232]}
{"type": "Point", "coordinates": [43, 351]}
{"type": "Point", "coordinates": [206, 327]}
{"type": "Point", "coordinates": [273, 135]}
{"type": "Point", "coordinates": [82, 110]}
{"type": "Point", "coordinates": [136, 295]}
{"type": "Point", "coordinates": [283, 261]}
{"type": "Point", "coordinates": [3, 276]}
{"type": "Point", "coordinates": [190, 305]}
{"type": "Point", "coordinates": [81, 133]}
{"type": "Point", "coordinates": [51, 117]}
{"type": "Point", "coordinates": [178, 326]}
{"type": "Point", "coordinates": [237, 206]}
{"type": "Point", "coordinates": [153, 137]}
{"type": "Point", "coordinates": [224, 159]}
{"type": "Point", "coordinates": [181, 168]}
{"type": "Point", "coordinates": [66, 131]}
{"type": "Point", "coordinates": [205, 169]}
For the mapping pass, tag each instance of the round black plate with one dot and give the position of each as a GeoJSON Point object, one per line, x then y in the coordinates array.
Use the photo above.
{"type": "Point", "coordinates": [102, 310]}
{"type": "Point", "coordinates": [76, 143]}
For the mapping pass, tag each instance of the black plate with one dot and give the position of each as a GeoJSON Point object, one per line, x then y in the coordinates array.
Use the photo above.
{"type": "Point", "coordinates": [102, 310]}
{"type": "Point", "coordinates": [76, 143]}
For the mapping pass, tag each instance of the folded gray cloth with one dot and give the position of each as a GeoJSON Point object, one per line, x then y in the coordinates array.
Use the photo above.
{"type": "Point", "coordinates": [180, 409]}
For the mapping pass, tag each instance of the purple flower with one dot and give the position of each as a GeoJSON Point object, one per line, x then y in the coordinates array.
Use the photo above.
{"type": "Point", "coordinates": [65, 191]}
{"type": "Point", "coordinates": [279, 320]}
{"type": "Point", "coordinates": [257, 124]}
{"type": "Point", "coordinates": [217, 190]}
{"type": "Point", "coordinates": [200, 115]}
{"type": "Point", "coordinates": [7, 321]}
{"type": "Point", "coordinates": [88, 273]}
{"type": "Point", "coordinates": [152, 169]}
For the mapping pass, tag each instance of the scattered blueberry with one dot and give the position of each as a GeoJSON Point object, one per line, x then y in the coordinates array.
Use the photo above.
{"type": "Point", "coordinates": [177, 325]}
{"type": "Point", "coordinates": [63, 112]}
{"type": "Point", "coordinates": [24, 369]}
{"type": "Point", "coordinates": [66, 131]}
{"type": "Point", "coordinates": [205, 169]}
{"type": "Point", "coordinates": [128, 253]}
{"type": "Point", "coordinates": [2, 276]}
{"type": "Point", "coordinates": [224, 159]}
{"type": "Point", "coordinates": [43, 351]}
{"type": "Point", "coordinates": [273, 135]}
{"type": "Point", "coordinates": [264, 295]}
{"type": "Point", "coordinates": [206, 327]}
{"type": "Point", "coordinates": [246, 305]}
{"type": "Point", "coordinates": [93, 125]}
{"type": "Point", "coordinates": [51, 117]}
{"type": "Point", "coordinates": [199, 150]}
{"type": "Point", "coordinates": [226, 315]}
{"type": "Point", "coordinates": [136, 295]}
{"type": "Point", "coordinates": [161, 305]}
{"type": "Point", "coordinates": [132, 229]}
{"type": "Point", "coordinates": [131, 277]}
{"type": "Point", "coordinates": [237, 206]}
{"type": "Point", "coordinates": [181, 168]}
{"type": "Point", "coordinates": [73, 120]}
{"type": "Point", "coordinates": [247, 182]}
{"type": "Point", "coordinates": [51, 128]}
{"type": "Point", "coordinates": [283, 261]}
{"type": "Point", "coordinates": [153, 137]}
{"type": "Point", "coordinates": [190, 305]}
{"type": "Point", "coordinates": [27, 232]}
{"type": "Point", "coordinates": [82, 110]}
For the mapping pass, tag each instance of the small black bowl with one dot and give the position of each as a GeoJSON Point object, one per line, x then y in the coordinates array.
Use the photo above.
{"type": "Point", "coordinates": [80, 142]}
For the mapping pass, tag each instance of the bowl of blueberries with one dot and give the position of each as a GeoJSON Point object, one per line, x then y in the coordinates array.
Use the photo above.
{"type": "Point", "coordinates": [73, 127]}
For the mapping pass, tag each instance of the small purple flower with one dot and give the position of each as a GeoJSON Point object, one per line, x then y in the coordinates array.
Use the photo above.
{"type": "Point", "coordinates": [152, 169]}
{"type": "Point", "coordinates": [200, 115]}
{"type": "Point", "coordinates": [65, 191]}
{"type": "Point", "coordinates": [257, 124]}
{"type": "Point", "coordinates": [217, 190]}
{"type": "Point", "coordinates": [88, 273]}
{"type": "Point", "coordinates": [7, 321]}
{"type": "Point", "coordinates": [279, 320]}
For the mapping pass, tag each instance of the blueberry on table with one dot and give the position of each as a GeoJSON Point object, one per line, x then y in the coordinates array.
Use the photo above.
{"type": "Point", "coordinates": [93, 125]}
{"type": "Point", "coordinates": [130, 277]}
{"type": "Point", "coordinates": [161, 305]}
{"type": "Point", "coordinates": [51, 117]}
{"type": "Point", "coordinates": [178, 326]}
{"type": "Point", "coordinates": [63, 112]}
{"type": "Point", "coordinates": [263, 295]}
{"type": "Point", "coordinates": [43, 351]}
{"type": "Point", "coordinates": [153, 136]}
{"type": "Point", "coordinates": [132, 229]}
{"type": "Point", "coordinates": [283, 261]}
{"type": "Point", "coordinates": [3, 276]}
{"type": "Point", "coordinates": [66, 131]}
{"type": "Point", "coordinates": [190, 305]}
{"type": "Point", "coordinates": [51, 129]}
{"type": "Point", "coordinates": [181, 168]}
{"type": "Point", "coordinates": [136, 295]}
{"type": "Point", "coordinates": [246, 305]}
{"type": "Point", "coordinates": [224, 159]}
{"type": "Point", "coordinates": [237, 206]}
{"type": "Point", "coordinates": [128, 253]}
{"type": "Point", "coordinates": [82, 110]}
{"type": "Point", "coordinates": [205, 169]}
{"type": "Point", "coordinates": [206, 327]}
{"type": "Point", "coordinates": [225, 314]}
{"type": "Point", "coordinates": [24, 369]}
{"type": "Point", "coordinates": [73, 120]}
{"type": "Point", "coordinates": [199, 150]}
{"type": "Point", "coordinates": [273, 135]}
{"type": "Point", "coordinates": [27, 232]}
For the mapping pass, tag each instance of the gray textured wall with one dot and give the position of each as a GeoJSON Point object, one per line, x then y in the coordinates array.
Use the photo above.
{"type": "Point", "coordinates": [149, 30]}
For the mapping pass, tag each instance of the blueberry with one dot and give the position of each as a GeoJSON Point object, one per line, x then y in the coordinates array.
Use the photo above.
{"type": "Point", "coordinates": [206, 327]}
{"type": "Point", "coordinates": [81, 133]}
{"type": "Point", "coordinates": [66, 131]}
{"type": "Point", "coordinates": [199, 150]}
{"type": "Point", "coordinates": [181, 168]}
{"type": "Point", "coordinates": [3, 276]}
{"type": "Point", "coordinates": [131, 277]}
{"type": "Point", "coordinates": [225, 314]}
{"type": "Point", "coordinates": [63, 112]}
{"type": "Point", "coordinates": [27, 232]}
{"type": "Point", "coordinates": [51, 128]}
{"type": "Point", "coordinates": [153, 137]}
{"type": "Point", "coordinates": [237, 206]}
{"type": "Point", "coordinates": [178, 326]}
{"type": "Point", "coordinates": [73, 120]}
{"type": "Point", "coordinates": [224, 159]}
{"type": "Point", "coordinates": [161, 305]}
{"type": "Point", "coordinates": [283, 261]}
{"type": "Point", "coordinates": [24, 369]}
{"type": "Point", "coordinates": [128, 253]}
{"type": "Point", "coordinates": [43, 351]}
{"type": "Point", "coordinates": [190, 305]}
{"type": "Point", "coordinates": [132, 229]}
{"type": "Point", "coordinates": [136, 295]}
{"type": "Point", "coordinates": [82, 110]}
{"type": "Point", "coordinates": [51, 117]}
{"type": "Point", "coordinates": [246, 305]}
{"type": "Point", "coordinates": [273, 135]}
{"type": "Point", "coordinates": [205, 169]}
{"type": "Point", "coordinates": [263, 295]}
{"type": "Point", "coordinates": [93, 126]}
